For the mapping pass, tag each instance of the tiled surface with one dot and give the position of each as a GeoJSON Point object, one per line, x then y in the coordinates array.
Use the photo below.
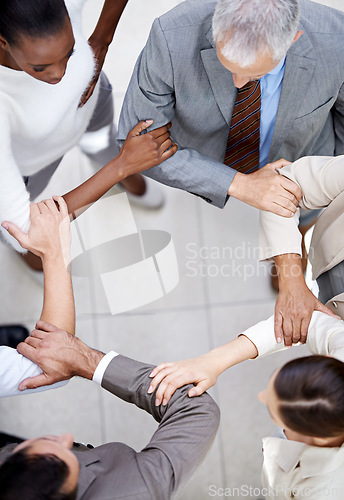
{"type": "Point", "coordinates": [221, 291]}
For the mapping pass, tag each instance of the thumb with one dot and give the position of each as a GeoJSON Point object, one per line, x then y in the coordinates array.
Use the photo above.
{"type": "Point", "coordinates": [279, 164]}
{"type": "Point", "coordinates": [34, 382]}
{"type": "Point", "coordinates": [199, 389]}
{"type": "Point", "coordinates": [320, 307]}
{"type": "Point", "coordinates": [142, 125]}
{"type": "Point", "coordinates": [17, 233]}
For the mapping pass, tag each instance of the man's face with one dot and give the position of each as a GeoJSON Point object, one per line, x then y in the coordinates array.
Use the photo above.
{"type": "Point", "coordinates": [60, 446]}
{"type": "Point", "coordinates": [242, 75]}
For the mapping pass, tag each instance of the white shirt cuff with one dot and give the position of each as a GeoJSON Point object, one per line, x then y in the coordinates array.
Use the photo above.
{"type": "Point", "coordinates": [104, 363]}
{"type": "Point", "coordinates": [263, 337]}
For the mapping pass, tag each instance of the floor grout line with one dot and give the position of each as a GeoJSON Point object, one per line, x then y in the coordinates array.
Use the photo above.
{"type": "Point", "coordinates": [208, 309]}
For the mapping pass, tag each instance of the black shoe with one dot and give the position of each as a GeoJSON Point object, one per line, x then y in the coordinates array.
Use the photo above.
{"type": "Point", "coordinates": [12, 335]}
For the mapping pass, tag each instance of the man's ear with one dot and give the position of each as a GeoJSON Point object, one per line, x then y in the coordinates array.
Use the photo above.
{"type": "Point", "coordinates": [297, 36]}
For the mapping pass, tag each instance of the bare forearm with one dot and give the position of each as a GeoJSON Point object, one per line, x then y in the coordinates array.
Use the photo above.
{"type": "Point", "coordinates": [108, 20]}
{"type": "Point", "coordinates": [232, 353]}
{"type": "Point", "coordinates": [58, 303]}
{"type": "Point", "coordinates": [95, 187]}
{"type": "Point", "coordinates": [289, 269]}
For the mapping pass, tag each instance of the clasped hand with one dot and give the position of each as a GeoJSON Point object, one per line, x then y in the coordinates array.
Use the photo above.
{"type": "Point", "coordinates": [267, 190]}
{"type": "Point", "coordinates": [201, 371]}
{"type": "Point", "coordinates": [49, 230]}
{"type": "Point", "coordinates": [142, 151]}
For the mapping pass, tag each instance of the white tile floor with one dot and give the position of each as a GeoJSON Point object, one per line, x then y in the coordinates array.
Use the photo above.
{"type": "Point", "coordinates": [217, 297]}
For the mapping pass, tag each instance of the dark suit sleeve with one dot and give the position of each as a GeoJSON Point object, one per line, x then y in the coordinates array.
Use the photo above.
{"type": "Point", "coordinates": [151, 95]}
{"type": "Point", "coordinates": [338, 119]}
{"type": "Point", "coordinates": [187, 427]}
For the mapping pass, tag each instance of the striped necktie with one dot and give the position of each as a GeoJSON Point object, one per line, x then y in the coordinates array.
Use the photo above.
{"type": "Point", "coordinates": [242, 151]}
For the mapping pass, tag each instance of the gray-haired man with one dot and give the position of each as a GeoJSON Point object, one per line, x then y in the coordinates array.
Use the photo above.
{"type": "Point", "coordinates": [189, 73]}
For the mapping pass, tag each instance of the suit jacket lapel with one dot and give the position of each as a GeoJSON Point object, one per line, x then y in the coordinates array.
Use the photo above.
{"type": "Point", "coordinates": [298, 73]}
{"type": "Point", "coordinates": [86, 474]}
{"type": "Point", "coordinates": [220, 79]}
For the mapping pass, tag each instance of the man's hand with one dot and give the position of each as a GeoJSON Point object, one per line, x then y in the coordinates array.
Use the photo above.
{"type": "Point", "coordinates": [140, 152]}
{"type": "Point", "coordinates": [267, 190]}
{"type": "Point", "coordinates": [60, 356]}
{"type": "Point", "coordinates": [295, 303]}
{"type": "Point", "coordinates": [49, 231]}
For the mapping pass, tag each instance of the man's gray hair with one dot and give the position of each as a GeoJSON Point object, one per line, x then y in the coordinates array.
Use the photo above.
{"type": "Point", "coordinates": [248, 28]}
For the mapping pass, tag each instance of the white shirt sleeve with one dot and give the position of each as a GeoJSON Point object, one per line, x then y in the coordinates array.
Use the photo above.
{"type": "Point", "coordinates": [14, 368]}
{"type": "Point", "coordinates": [104, 363]}
{"type": "Point", "coordinates": [14, 198]}
{"type": "Point", "coordinates": [325, 336]}
{"type": "Point", "coordinates": [321, 180]}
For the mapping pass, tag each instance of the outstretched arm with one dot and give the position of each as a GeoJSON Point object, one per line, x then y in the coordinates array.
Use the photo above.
{"type": "Point", "coordinates": [50, 239]}
{"type": "Point", "coordinates": [138, 153]}
{"type": "Point", "coordinates": [187, 427]}
{"type": "Point", "coordinates": [325, 336]}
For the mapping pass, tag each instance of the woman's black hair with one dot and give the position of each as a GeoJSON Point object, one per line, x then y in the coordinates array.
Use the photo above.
{"type": "Point", "coordinates": [35, 18]}
{"type": "Point", "coordinates": [311, 396]}
{"type": "Point", "coordinates": [34, 477]}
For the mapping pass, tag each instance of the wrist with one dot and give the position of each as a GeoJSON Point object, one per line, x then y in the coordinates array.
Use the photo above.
{"type": "Point", "coordinates": [289, 269]}
{"type": "Point", "coordinates": [119, 166]}
{"type": "Point", "coordinates": [217, 361]}
{"type": "Point", "coordinates": [88, 360]}
{"type": "Point", "coordinates": [235, 187]}
{"type": "Point", "coordinates": [97, 39]}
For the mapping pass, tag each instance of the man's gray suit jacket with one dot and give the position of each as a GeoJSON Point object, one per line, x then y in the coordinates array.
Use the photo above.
{"type": "Point", "coordinates": [187, 427]}
{"type": "Point", "coordinates": [179, 78]}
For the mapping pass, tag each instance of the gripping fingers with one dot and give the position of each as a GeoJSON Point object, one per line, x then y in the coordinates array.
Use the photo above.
{"type": "Point", "coordinates": [287, 204]}
{"type": "Point", "coordinates": [287, 332]}
{"type": "Point", "coordinates": [46, 327]}
{"type": "Point", "coordinates": [43, 208]}
{"type": "Point", "coordinates": [158, 374]}
{"type": "Point", "coordinates": [62, 205]}
{"type": "Point", "coordinates": [33, 342]}
{"type": "Point", "coordinates": [280, 210]}
{"type": "Point", "coordinates": [161, 130]}
{"type": "Point", "coordinates": [51, 206]}
{"type": "Point", "coordinates": [160, 140]}
{"type": "Point", "coordinates": [169, 152]}
{"type": "Point", "coordinates": [38, 334]}
{"type": "Point", "coordinates": [160, 396]}
{"type": "Point", "coordinates": [292, 187]}
{"type": "Point", "coordinates": [165, 145]}
{"type": "Point", "coordinates": [278, 327]}
{"type": "Point", "coordinates": [168, 387]}
{"type": "Point", "coordinates": [304, 330]}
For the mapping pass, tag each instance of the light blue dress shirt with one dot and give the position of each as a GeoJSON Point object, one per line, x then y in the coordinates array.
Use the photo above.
{"type": "Point", "coordinates": [270, 88]}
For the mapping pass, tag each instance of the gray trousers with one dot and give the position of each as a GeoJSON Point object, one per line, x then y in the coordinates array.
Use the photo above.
{"type": "Point", "coordinates": [101, 120]}
{"type": "Point", "coordinates": [331, 283]}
